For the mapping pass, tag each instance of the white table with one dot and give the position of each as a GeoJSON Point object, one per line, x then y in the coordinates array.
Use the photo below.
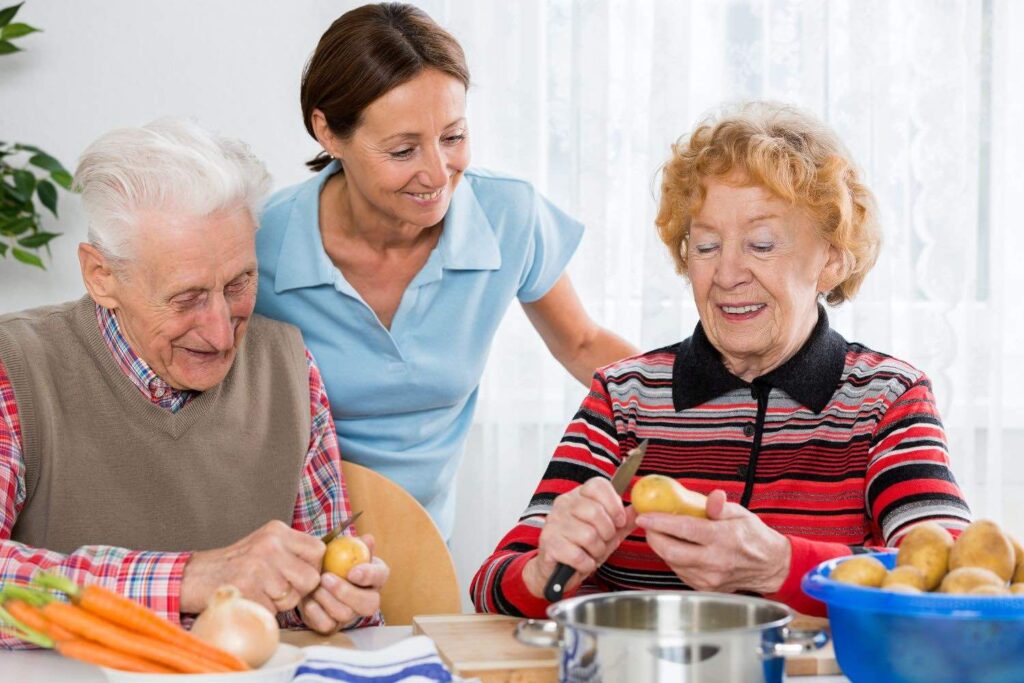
{"type": "Point", "coordinates": [35, 666]}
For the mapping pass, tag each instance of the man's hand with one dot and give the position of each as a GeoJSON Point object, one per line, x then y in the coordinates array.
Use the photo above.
{"type": "Point", "coordinates": [275, 566]}
{"type": "Point", "coordinates": [731, 550]}
{"type": "Point", "coordinates": [339, 602]}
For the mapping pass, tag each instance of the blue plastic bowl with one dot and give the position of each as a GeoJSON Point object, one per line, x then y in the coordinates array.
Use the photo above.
{"type": "Point", "coordinates": [886, 637]}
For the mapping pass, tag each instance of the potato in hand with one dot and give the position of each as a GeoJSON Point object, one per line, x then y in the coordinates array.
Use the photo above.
{"type": "Point", "coordinates": [658, 493]}
{"type": "Point", "coordinates": [343, 553]}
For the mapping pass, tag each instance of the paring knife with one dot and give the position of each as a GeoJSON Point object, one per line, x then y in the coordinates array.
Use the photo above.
{"type": "Point", "coordinates": [337, 531]}
{"type": "Point", "coordinates": [620, 481]}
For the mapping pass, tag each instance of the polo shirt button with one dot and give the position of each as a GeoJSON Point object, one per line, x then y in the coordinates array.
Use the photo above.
{"type": "Point", "coordinates": [741, 471]}
{"type": "Point", "coordinates": [159, 392]}
{"type": "Point", "coordinates": [748, 430]}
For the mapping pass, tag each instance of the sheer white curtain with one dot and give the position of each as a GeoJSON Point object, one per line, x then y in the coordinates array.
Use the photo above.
{"type": "Point", "coordinates": [584, 98]}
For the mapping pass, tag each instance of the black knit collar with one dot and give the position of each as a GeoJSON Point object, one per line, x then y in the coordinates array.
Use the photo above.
{"type": "Point", "coordinates": [810, 376]}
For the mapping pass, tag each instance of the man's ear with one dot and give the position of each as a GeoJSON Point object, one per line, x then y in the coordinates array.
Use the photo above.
{"type": "Point", "coordinates": [99, 277]}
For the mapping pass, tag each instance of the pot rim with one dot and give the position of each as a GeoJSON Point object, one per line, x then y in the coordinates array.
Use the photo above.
{"type": "Point", "coordinates": [556, 612]}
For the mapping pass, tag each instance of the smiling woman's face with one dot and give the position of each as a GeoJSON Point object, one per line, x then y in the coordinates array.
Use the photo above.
{"type": "Point", "coordinates": [756, 265]}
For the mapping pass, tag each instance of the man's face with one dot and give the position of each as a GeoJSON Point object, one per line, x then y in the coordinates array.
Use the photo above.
{"type": "Point", "coordinates": [185, 298]}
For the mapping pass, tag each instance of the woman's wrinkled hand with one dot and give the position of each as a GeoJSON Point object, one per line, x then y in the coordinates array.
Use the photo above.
{"type": "Point", "coordinates": [584, 527]}
{"type": "Point", "coordinates": [731, 550]}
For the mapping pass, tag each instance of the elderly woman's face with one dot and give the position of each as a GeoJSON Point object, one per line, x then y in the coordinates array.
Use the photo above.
{"type": "Point", "coordinates": [404, 160]}
{"type": "Point", "coordinates": [756, 264]}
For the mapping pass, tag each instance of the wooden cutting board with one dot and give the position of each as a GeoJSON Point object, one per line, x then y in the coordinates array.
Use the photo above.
{"type": "Point", "coordinates": [483, 646]}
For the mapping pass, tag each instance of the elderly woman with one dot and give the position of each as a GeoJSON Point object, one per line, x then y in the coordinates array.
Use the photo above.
{"type": "Point", "coordinates": [809, 446]}
{"type": "Point", "coordinates": [398, 261]}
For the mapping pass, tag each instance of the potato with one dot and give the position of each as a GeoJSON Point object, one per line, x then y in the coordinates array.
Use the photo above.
{"type": "Point", "coordinates": [902, 588]}
{"type": "Point", "coordinates": [1018, 560]}
{"type": "Point", "coordinates": [658, 493]}
{"type": "Point", "coordinates": [966, 579]}
{"type": "Point", "coordinates": [343, 553]}
{"type": "Point", "coordinates": [983, 544]}
{"type": "Point", "coordinates": [907, 575]}
{"type": "Point", "coordinates": [860, 571]}
{"type": "Point", "coordinates": [927, 547]}
{"type": "Point", "coordinates": [1017, 588]}
{"type": "Point", "coordinates": [988, 589]}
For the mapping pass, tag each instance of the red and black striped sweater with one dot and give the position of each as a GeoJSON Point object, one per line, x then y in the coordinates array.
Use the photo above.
{"type": "Point", "coordinates": [839, 448]}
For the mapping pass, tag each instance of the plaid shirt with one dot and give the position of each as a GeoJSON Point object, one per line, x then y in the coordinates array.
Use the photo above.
{"type": "Point", "coordinates": [154, 578]}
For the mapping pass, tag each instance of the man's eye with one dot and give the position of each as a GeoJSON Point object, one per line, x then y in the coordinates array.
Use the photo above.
{"type": "Point", "coordinates": [455, 139]}
{"type": "Point", "coordinates": [762, 247]}
{"type": "Point", "coordinates": [238, 286]}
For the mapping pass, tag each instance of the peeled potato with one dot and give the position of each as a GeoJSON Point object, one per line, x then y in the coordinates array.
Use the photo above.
{"type": "Point", "coordinates": [658, 493]}
{"type": "Point", "coordinates": [343, 553]}
{"type": "Point", "coordinates": [860, 571]}
{"type": "Point", "coordinates": [907, 575]}
{"type": "Point", "coordinates": [966, 579]}
{"type": "Point", "coordinates": [927, 548]}
{"type": "Point", "coordinates": [983, 544]}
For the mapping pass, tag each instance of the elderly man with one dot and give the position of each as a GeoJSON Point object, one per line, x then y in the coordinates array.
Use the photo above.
{"type": "Point", "coordinates": [155, 436]}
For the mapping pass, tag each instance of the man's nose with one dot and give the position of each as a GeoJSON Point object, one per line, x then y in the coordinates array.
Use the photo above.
{"type": "Point", "coordinates": [218, 329]}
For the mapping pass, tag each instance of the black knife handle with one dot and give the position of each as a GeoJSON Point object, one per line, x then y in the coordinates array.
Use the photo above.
{"type": "Point", "coordinates": [556, 584]}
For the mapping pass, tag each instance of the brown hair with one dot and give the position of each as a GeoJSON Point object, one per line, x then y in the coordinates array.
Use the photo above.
{"type": "Point", "coordinates": [793, 155]}
{"type": "Point", "coordinates": [365, 53]}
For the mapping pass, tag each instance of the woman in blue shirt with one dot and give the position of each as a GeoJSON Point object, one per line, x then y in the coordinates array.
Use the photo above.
{"type": "Point", "coordinates": [397, 261]}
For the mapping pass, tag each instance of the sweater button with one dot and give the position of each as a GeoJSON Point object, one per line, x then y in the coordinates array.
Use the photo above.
{"type": "Point", "coordinates": [748, 430]}
{"type": "Point", "coordinates": [741, 471]}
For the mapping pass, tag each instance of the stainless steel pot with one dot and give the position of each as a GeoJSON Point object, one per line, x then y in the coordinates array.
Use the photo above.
{"type": "Point", "coordinates": [679, 636]}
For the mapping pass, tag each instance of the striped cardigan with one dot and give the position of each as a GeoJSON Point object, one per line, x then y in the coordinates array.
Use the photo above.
{"type": "Point", "coordinates": [839, 448]}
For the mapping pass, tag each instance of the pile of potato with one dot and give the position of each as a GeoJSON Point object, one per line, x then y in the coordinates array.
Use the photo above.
{"type": "Point", "coordinates": [982, 561]}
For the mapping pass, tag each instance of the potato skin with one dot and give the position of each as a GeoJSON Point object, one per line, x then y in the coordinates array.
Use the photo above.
{"type": "Point", "coordinates": [965, 579]}
{"type": "Point", "coordinates": [658, 493]}
{"type": "Point", "coordinates": [1018, 559]}
{"type": "Point", "coordinates": [983, 544]}
{"type": "Point", "coordinates": [927, 547]}
{"type": "Point", "coordinates": [860, 571]}
{"type": "Point", "coordinates": [989, 589]}
{"type": "Point", "coordinates": [343, 553]}
{"type": "Point", "coordinates": [1017, 588]}
{"type": "Point", "coordinates": [907, 575]}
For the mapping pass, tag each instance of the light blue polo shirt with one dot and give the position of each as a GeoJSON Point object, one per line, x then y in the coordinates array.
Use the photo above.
{"type": "Point", "coordinates": [403, 398]}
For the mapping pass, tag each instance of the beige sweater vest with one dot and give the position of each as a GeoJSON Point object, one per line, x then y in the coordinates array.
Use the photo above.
{"type": "Point", "coordinates": [104, 465]}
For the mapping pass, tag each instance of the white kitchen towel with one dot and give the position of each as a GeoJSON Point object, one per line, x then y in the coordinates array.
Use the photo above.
{"type": "Point", "coordinates": [413, 660]}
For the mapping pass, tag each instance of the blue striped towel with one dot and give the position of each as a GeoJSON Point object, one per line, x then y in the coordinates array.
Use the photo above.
{"type": "Point", "coordinates": [413, 660]}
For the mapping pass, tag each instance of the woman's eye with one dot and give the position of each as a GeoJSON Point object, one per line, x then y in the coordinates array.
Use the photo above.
{"type": "Point", "coordinates": [455, 139]}
{"type": "Point", "coordinates": [703, 249]}
{"type": "Point", "coordinates": [402, 153]}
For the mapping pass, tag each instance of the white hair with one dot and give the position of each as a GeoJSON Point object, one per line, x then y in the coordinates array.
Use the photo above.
{"type": "Point", "coordinates": [172, 165]}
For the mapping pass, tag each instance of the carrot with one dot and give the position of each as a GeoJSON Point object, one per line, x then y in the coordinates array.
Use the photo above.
{"type": "Point", "coordinates": [134, 617]}
{"type": "Point", "coordinates": [94, 653]}
{"type": "Point", "coordinates": [33, 618]}
{"type": "Point", "coordinates": [91, 627]}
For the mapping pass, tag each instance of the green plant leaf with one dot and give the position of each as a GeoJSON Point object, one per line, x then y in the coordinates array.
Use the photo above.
{"type": "Point", "coordinates": [62, 178]}
{"type": "Point", "coordinates": [7, 13]}
{"type": "Point", "coordinates": [12, 192]}
{"type": "Point", "coordinates": [28, 257]}
{"type": "Point", "coordinates": [25, 182]}
{"type": "Point", "coordinates": [7, 47]}
{"type": "Point", "coordinates": [16, 31]}
{"type": "Point", "coordinates": [18, 225]}
{"type": "Point", "coordinates": [44, 160]}
{"type": "Point", "coordinates": [27, 148]}
{"type": "Point", "coordinates": [37, 240]}
{"type": "Point", "coordinates": [48, 195]}
{"type": "Point", "coordinates": [3, 249]}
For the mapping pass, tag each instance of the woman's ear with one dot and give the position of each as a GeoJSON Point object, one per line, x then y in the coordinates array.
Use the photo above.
{"type": "Point", "coordinates": [835, 270]}
{"type": "Point", "coordinates": [324, 135]}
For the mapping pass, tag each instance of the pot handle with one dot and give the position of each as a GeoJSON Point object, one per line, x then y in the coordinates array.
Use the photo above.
{"type": "Point", "coordinates": [797, 641]}
{"type": "Point", "coordinates": [539, 633]}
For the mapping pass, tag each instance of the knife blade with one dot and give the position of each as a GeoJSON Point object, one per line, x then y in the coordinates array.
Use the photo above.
{"type": "Point", "coordinates": [620, 482]}
{"type": "Point", "coordinates": [337, 531]}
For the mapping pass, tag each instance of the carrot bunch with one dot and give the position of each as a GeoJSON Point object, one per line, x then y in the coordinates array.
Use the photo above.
{"type": "Point", "coordinates": [102, 627]}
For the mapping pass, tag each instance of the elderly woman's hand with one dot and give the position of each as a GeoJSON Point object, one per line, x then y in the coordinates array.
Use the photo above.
{"type": "Point", "coordinates": [731, 550]}
{"type": "Point", "coordinates": [584, 527]}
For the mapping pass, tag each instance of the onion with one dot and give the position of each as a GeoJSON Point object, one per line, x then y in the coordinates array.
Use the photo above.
{"type": "Point", "coordinates": [242, 627]}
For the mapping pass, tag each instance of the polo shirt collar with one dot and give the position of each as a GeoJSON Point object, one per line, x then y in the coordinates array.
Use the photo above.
{"type": "Point", "coordinates": [467, 241]}
{"type": "Point", "coordinates": [809, 377]}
